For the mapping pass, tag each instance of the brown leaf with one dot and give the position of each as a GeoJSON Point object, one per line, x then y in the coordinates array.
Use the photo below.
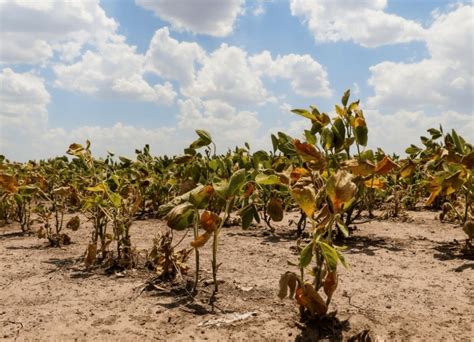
{"type": "Point", "coordinates": [9, 183]}
{"type": "Point", "coordinates": [359, 167]}
{"type": "Point", "coordinates": [385, 166]}
{"type": "Point", "coordinates": [314, 303]}
{"type": "Point", "coordinates": [309, 153]}
{"type": "Point", "coordinates": [73, 223]}
{"type": "Point", "coordinates": [209, 221]}
{"type": "Point", "coordinates": [91, 254]}
{"type": "Point", "coordinates": [201, 240]}
{"type": "Point", "coordinates": [330, 283]}
{"type": "Point", "coordinates": [275, 209]}
{"type": "Point", "coordinates": [288, 280]}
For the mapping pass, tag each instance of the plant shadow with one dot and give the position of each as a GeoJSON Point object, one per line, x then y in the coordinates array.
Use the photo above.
{"type": "Point", "coordinates": [450, 251]}
{"type": "Point", "coordinates": [368, 245]}
{"type": "Point", "coordinates": [324, 328]}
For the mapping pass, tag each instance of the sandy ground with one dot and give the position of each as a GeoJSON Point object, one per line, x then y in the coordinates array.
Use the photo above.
{"type": "Point", "coordinates": [406, 281]}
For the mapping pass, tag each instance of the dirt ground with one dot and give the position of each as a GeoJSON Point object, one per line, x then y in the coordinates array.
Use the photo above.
{"type": "Point", "coordinates": [406, 281]}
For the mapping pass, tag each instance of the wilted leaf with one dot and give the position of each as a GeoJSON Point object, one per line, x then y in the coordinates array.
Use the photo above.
{"type": "Point", "coordinates": [73, 223]}
{"type": "Point", "coordinates": [313, 301]}
{"type": "Point", "coordinates": [330, 283]}
{"type": "Point", "coordinates": [360, 131]}
{"type": "Point", "coordinates": [408, 169]}
{"type": "Point", "coordinates": [309, 152]}
{"type": "Point", "coordinates": [91, 255]}
{"type": "Point", "coordinates": [375, 183]}
{"type": "Point", "coordinates": [305, 197]}
{"type": "Point", "coordinates": [359, 167]}
{"type": "Point", "coordinates": [297, 173]}
{"type": "Point", "coordinates": [9, 183]}
{"type": "Point", "coordinates": [340, 189]}
{"type": "Point", "coordinates": [288, 280]}
{"type": "Point", "coordinates": [209, 221]}
{"type": "Point", "coordinates": [385, 166]}
{"type": "Point", "coordinates": [201, 240]}
{"type": "Point", "coordinates": [200, 199]}
{"type": "Point", "coordinates": [181, 216]}
{"type": "Point", "coordinates": [275, 209]}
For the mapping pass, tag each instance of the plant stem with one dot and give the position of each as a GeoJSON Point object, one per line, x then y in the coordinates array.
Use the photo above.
{"type": "Point", "coordinates": [214, 245]}
{"type": "Point", "coordinates": [196, 251]}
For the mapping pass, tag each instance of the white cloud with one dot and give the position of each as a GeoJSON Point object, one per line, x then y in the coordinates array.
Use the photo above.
{"type": "Point", "coordinates": [211, 17]}
{"type": "Point", "coordinates": [23, 99]}
{"type": "Point", "coordinates": [115, 69]}
{"type": "Point", "coordinates": [443, 82]}
{"type": "Point", "coordinates": [395, 132]}
{"type": "Point", "coordinates": [226, 125]}
{"type": "Point", "coordinates": [307, 77]}
{"type": "Point", "coordinates": [30, 31]}
{"type": "Point", "coordinates": [172, 59]}
{"type": "Point", "coordinates": [362, 21]}
{"type": "Point", "coordinates": [226, 75]}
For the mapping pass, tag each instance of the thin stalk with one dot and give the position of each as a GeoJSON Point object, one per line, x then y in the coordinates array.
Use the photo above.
{"type": "Point", "coordinates": [214, 245]}
{"type": "Point", "coordinates": [196, 251]}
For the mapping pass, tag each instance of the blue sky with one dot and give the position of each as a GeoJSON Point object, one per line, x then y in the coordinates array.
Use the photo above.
{"type": "Point", "coordinates": [129, 72]}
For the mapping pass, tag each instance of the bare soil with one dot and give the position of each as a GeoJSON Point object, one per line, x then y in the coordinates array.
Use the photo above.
{"type": "Point", "coordinates": [407, 281]}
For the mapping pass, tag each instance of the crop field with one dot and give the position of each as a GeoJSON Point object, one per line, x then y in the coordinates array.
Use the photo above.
{"type": "Point", "coordinates": [321, 239]}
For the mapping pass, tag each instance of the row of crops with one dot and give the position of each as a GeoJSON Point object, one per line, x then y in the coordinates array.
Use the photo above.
{"type": "Point", "coordinates": [329, 178]}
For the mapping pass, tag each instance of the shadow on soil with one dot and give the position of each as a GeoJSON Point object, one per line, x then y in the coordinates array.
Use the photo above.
{"type": "Point", "coordinates": [368, 244]}
{"type": "Point", "coordinates": [450, 251]}
{"type": "Point", "coordinates": [324, 328]}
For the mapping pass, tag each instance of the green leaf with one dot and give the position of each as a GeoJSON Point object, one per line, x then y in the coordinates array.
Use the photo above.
{"type": "Point", "coordinates": [236, 182]}
{"type": "Point", "coordinates": [329, 254]}
{"type": "Point", "coordinates": [457, 142]}
{"type": "Point", "coordinates": [310, 137]}
{"type": "Point", "coordinates": [116, 200]}
{"type": "Point", "coordinates": [181, 216]}
{"type": "Point", "coordinates": [306, 255]}
{"type": "Point", "coordinates": [361, 131]}
{"type": "Point", "coordinates": [304, 113]}
{"type": "Point", "coordinates": [345, 97]}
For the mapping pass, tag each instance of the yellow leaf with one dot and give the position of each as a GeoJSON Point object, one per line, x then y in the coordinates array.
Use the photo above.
{"type": "Point", "coordinates": [359, 167]}
{"type": "Point", "coordinates": [385, 166]}
{"type": "Point", "coordinates": [340, 189]}
{"type": "Point", "coordinates": [305, 197]}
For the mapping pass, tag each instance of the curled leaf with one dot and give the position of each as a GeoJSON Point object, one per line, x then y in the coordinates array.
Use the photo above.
{"type": "Point", "coordinates": [288, 280]}
{"type": "Point", "coordinates": [275, 209]}
{"type": "Point", "coordinates": [385, 166]}
{"type": "Point", "coordinates": [330, 283]}
{"type": "Point", "coordinates": [340, 189]}
{"type": "Point", "coordinates": [91, 254]}
{"type": "Point", "coordinates": [201, 240]}
{"type": "Point", "coordinates": [181, 216]}
{"type": "Point", "coordinates": [209, 221]}
{"type": "Point", "coordinates": [305, 197]}
{"type": "Point", "coordinates": [73, 223]}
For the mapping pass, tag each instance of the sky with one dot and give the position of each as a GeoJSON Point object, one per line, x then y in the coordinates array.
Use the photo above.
{"type": "Point", "coordinates": [125, 73]}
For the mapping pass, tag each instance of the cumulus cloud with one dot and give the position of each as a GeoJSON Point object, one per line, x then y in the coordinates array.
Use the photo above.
{"type": "Point", "coordinates": [31, 31]}
{"type": "Point", "coordinates": [172, 59]}
{"type": "Point", "coordinates": [237, 85]}
{"type": "Point", "coordinates": [211, 17]}
{"type": "Point", "coordinates": [226, 124]}
{"type": "Point", "coordinates": [364, 22]}
{"type": "Point", "coordinates": [307, 77]}
{"type": "Point", "coordinates": [114, 69]}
